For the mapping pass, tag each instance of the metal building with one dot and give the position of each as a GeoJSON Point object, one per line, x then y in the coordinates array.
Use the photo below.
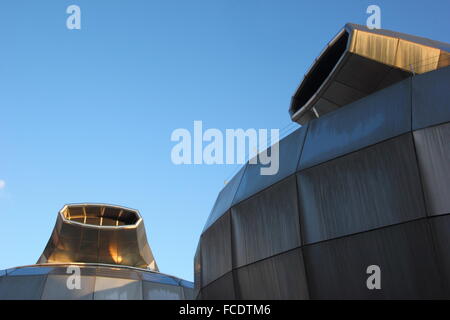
{"type": "Point", "coordinates": [365, 181]}
{"type": "Point", "coordinates": [106, 246]}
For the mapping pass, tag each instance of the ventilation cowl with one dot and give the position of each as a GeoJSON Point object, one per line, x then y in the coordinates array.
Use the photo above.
{"type": "Point", "coordinates": [99, 233]}
{"type": "Point", "coordinates": [359, 62]}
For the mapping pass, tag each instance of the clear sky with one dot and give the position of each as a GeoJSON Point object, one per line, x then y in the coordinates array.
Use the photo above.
{"type": "Point", "coordinates": [86, 115]}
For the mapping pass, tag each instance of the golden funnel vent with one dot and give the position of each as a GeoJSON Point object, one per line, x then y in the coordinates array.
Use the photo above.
{"type": "Point", "coordinates": [99, 233]}
{"type": "Point", "coordinates": [359, 62]}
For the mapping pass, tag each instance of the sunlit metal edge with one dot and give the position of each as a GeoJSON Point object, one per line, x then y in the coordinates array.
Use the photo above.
{"type": "Point", "coordinates": [130, 226]}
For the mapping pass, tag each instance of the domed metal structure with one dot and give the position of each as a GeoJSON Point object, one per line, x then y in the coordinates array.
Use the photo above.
{"type": "Point", "coordinates": [364, 182]}
{"type": "Point", "coordinates": [96, 251]}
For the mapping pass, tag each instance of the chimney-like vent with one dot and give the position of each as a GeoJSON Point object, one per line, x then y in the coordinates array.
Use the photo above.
{"type": "Point", "coordinates": [99, 233]}
{"type": "Point", "coordinates": [359, 62]}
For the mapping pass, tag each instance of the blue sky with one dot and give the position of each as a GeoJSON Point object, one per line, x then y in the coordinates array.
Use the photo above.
{"type": "Point", "coordinates": [86, 115]}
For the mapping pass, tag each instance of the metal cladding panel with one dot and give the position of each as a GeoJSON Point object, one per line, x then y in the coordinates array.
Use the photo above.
{"type": "Point", "coordinates": [22, 287]}
{"type": "Point", "coordinates": [359, 80]}
{"type": "Point", "coordinates": [225, 198]}
{"type": "Point", "coordinates": [157, 291]}
{"type": "Point", "coordinates": [433, 152]}
{"type": "Point", "coordinates": [107, 246]}
{"type": "Point", "coordinates": [441, 232]}
{"type": "Point", "coordinates": [393, 76]}
{"type": "Point", "coordinates": [159, 278]}
{"type": "Point", "coordinates": [324, 106]}
{"type": "Point", "coordinates": [337, 269]}
{"type": "Point", "coordinates": [117, 289]}
{"type": "Point", "coordinates": [431, 98]}
{"type": "Point", "coordinates": [371, 188]}
{"type": "Point", "coordinates": [266, 224]}
{"type": "Point", "coordinates": [412, 38]}
{"type": "Point", "coordinates": [56, 288]}
{"type": "Point", "coordinates": [187, 284]}
{"type": "Point", "coordinates": [111, 272]}
{"type": "Point", "coordinates": [30, 271]}
{"type": "Point", "coordinates": [341, 94]}
{"type": "Point", "coordinates": [380, 116]}
{"type": "Point", "coordinates": [221, 289]}
{"type": "Point", "coordinates": [277, 278]}
{"type": "Point", "coordinates": [216, 250]}
{"type": "Point", "coordinates": [254, 181]}
{"type": "Point", "coordinates": [189, 294]}
{"type": "Point", "coordinates": [88, 251]}
{"type": "Point", "coordinates": [64, 271]}
{"type": "Point", "coordinates": [197, 270]}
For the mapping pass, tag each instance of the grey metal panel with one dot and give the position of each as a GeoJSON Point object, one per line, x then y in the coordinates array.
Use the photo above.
{"type": "Point", "coordinates": [433, 152]}
{"type": "Point", "coordinates": [341, 94]}
{"type": "Point", "coordinates": [117, 289]}
{"type": "Point", "coordinates": [221, 289]}
{"type": "Point", "coordinates": [187, 284]}
{"type": "Point", "coordinates": [2, 273]}
{"type": "Point", "coordinates": [359, 80]}
{"type": "Point", "coordinates": [266, 224]}
{"type": "Point", "coordinates": [337, 269]}
{"type": "Point", "coordinates": [431, 98]}
{"type": "Point", "coordinates": [441, 232]}
{"type": "Point", "coordinates": [9, 270]}
{"type": "Point", "coordinates": [84, 270]}
{"type": "Point", "coordinates": [22, 287]}
{"type": "Point", "coordinates": [88, 251]}
{"type": "Point", "coordinates": [393, 76]}
{"type": "Point", "coordinates": [216, 250]}
{"type": "Point", "coordinates": [225, 198]}
{"type": "Point", "coordinates": [371, 188]}
{"type": "Point", "coordinates": [289, 153]}
{"type": "Point", "coordinates": [111, 272]}
{"type": "Point", "coordinates": [278, 277]}
{"type": "Point", "coordinates": [56, 288]}
{"type": "Point", "coordinates": [159, 278]}
{"type": "Point", "coordinates": [188, 293]}
{"type": "Point", "coordinates": [377, 117]}
{"type": "Point", "coordinates": [324, 106]}
{"type": "Point", "coordinates": [30, 271]}
{"type": "Point", "coordinates": [157, 291]}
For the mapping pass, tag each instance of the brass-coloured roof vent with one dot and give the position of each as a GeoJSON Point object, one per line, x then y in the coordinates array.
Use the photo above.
{"type": "Point", "coordinates": [99, 233]}
{"type": "Point", "coordinates": [359, 62]}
